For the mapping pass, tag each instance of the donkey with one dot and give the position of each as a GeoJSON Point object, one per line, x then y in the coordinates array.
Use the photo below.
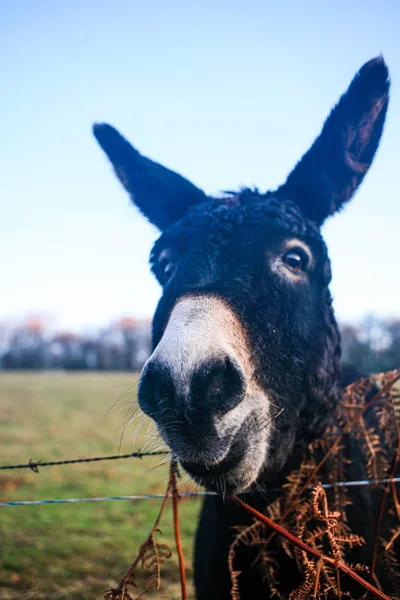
{"type": "Point", "coordinates": [246, 364]}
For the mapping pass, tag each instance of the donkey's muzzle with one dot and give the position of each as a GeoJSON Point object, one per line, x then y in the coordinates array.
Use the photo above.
{"type": "Point", "coordinates": [188, 401]}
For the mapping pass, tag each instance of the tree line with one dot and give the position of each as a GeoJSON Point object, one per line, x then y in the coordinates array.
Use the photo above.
{"type": "Point", "coordinates": [369, 347]}
{"type": "Point", "coordinates": [372, 346]}
{"type": "Point", "coordinates": [122, 346]}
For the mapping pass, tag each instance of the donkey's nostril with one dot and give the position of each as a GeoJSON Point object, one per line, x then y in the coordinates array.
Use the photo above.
{"type": "Point", "coordinates": [218, 385]}
{"type": "Point", "coordinates": [155, 388]}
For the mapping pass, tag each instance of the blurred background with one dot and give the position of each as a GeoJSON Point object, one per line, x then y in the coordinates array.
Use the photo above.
{"type": "Point", "coordinates": [226, 93]}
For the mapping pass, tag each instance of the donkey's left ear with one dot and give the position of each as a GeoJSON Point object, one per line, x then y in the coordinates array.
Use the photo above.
{"type": "Point", "coordinates": [330, 172]}
{"type": "Point", "coordinates": [162, 195]}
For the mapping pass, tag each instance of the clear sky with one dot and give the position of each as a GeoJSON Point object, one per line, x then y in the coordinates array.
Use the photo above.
{"type": "Point", "coordinates": [228, 93]}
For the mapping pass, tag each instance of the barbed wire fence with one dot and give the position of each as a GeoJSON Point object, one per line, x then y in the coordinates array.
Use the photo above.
{"type": "Point", "coordinates": [35, 465]}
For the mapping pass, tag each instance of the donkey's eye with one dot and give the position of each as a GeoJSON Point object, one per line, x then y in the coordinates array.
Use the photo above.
{"type": "Point", "coordinates": [296, 260]}
{"type": "Point", "coordinates": [165, 266]}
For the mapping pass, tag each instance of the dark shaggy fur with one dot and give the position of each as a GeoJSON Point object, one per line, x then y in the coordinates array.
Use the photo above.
{"type": "Point", "coordinates": [227, 248]}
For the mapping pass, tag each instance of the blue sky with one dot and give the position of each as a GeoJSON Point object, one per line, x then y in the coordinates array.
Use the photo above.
{"type": "Point", "coordinates": [227, 93]}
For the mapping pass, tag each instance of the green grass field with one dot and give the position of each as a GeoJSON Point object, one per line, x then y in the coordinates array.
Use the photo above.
{"type": "Point", "coordinates": [77, 551]}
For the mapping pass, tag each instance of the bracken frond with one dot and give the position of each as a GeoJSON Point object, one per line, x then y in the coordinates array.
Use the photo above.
{"type": "Point", "coordinates": [307, 514]}
{"type": "Point", "coordinates": [150, 557]}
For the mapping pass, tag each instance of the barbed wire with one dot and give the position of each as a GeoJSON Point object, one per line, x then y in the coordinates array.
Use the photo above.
{"type": "Point", "coordinates": [34, 465]}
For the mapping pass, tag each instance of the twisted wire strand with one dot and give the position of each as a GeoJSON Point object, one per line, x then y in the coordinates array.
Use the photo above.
{"type": "Point", "coordinates": [363, 482]}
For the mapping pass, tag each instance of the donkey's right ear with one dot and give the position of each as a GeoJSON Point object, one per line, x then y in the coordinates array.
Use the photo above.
{"type": "Point", "coordinates": [162, 195]}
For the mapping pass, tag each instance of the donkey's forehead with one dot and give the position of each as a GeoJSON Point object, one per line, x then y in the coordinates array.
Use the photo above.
{"type": "Point", "coordinates": [221, 216]}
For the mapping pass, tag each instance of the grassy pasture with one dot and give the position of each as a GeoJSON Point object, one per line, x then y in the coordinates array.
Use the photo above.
{"type": "Point", "coordinates": [77, 551]}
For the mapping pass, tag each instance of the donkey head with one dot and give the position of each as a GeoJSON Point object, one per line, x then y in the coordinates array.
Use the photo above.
{"type": "Point", "coordinates": [246, 359]}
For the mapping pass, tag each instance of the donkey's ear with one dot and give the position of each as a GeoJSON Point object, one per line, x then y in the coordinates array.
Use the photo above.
{"type": "Point", "coordinates": [162, 195]}
{"type": "Point", "coordinates": [330, 172]}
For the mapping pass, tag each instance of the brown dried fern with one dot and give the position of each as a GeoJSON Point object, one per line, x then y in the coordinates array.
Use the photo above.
{"type": "Point", "coordinates": [151, 554]}
{"type": "Point", "coordinates": [248, 535]}
{"type": "Point", "coordinates": [387, 414]}
{"type": "Point", "coordinates": [307, 517]}
{"type": "Point", "coordinates": [319, 528]}
{"type": "Point", "coordinates": [313, 552]}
